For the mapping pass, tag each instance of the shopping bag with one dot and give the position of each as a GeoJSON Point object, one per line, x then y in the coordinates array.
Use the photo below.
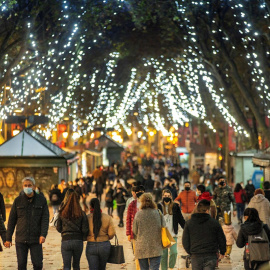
{"type": "Point", "coordinates": [53, 221]}
{"type": "Point", "coordinates": [116, 253]}
{"type": "Point", "coordinates": [166, 237]}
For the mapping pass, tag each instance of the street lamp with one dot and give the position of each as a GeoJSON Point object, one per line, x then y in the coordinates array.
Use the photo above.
{"type": "Point", "coordinates": [65, 134]}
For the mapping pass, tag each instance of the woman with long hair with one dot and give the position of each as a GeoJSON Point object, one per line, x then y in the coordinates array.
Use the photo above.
{"type": "Point", "coordinates": [146, 229]}
{"type": "Point", "coordinates": [101, 230]}
{"type": "Point", "coordinates": [173, 217]}
{"type": "Point", "coordinates": [239, 193]}
{"type": "Point", "coordinates": [73, 226]}
{"type": "Point", "coordinates": [252, 226]}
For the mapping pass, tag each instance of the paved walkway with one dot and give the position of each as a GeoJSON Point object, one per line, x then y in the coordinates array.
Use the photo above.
{"type": "Point", "coordinates": [53, 259]}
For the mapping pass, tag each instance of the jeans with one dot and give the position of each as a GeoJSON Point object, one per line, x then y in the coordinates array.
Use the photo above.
{"type": "Point", "coordinates": [35, 252]}
{"type": "Point", "coordinates": [55, 208]}
{"type": "Point", "coordinates": [200, 262]}
{"type": "Point", "coordinates": [240, 207]}
{"type": "Point", "coordinates": [150, 263]}
{"type": "Point", "coordinates": [172, 258]}
{"type": "Point", "coordinates": [120, 211]}
{"type": "Point", "coordinates": [97, 254]}
{"type": "Point", "coordinates": [72, 249]}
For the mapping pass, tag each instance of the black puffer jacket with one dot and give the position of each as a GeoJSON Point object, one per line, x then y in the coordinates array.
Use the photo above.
{"type": "Point", "coordinates": [203, 236]}
{"type": "Point", "coordinates": [177, 216]}
{"type": "Point", "coordinates": [250, 228]}
{"type": "Point", "coordinates": [73, 229]}
{"type": "Point", "coordinates": [2, 229]}
{"type": "Point", "coordinates": [30, 217]}
{"type": "Point", "coordinates": [2, 207]}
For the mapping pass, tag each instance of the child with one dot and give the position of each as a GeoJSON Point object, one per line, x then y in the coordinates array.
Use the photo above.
{"type": "Point", "coordinates": [229, 232]}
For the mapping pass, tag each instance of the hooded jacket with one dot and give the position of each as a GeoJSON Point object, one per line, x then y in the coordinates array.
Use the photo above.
{"type": "Point", "coordinates": [250, 228]}
{"type": "Point", "coordinates": [230, 234]}
{"type": "Point", "coordinates": [203, 236]}
{"type": "Point", "coordinates": [262, 205]}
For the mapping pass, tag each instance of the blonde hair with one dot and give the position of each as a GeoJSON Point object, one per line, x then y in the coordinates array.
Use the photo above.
{"type": "Point", "coordinates": [147, 201]}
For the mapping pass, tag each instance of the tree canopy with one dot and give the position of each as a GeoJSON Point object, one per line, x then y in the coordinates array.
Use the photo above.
{"type": "Point", "coordinates": [99, 62]}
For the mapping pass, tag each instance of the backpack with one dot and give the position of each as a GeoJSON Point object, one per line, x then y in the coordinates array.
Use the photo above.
{"type": "Point", "coordinates": [108, 197]}
{"type": "Point", "coordinates": [54, 197]}
{"type": "Point", "coordinates": [258, 247]}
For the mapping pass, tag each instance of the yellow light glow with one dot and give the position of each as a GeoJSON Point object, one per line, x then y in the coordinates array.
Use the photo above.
{"type": "Point", "coordinates": [176, 134]}
{"type": "Point", "coordinates": [75, 136]}
{"type": "Point", "coordinates": [187, 124]}
{"type": "Point", "coordinates": [140, 133]}
{"type": "Point", "coordinates": [151, 133]}
{"type": "Point", "coordinates": [15, 132]}
{"type": "Point", "coordinates": [92, 136]}
{"type": "Point", "coordinates": [65, 134]}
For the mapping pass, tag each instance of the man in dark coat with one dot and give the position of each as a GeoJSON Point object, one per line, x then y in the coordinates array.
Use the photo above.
{"type": "Point", "coordinates": [2, 207]}
{"type": "Point", "coordinates": [30, 215]}
{"type": "Point", "coordinates": [203, 237]}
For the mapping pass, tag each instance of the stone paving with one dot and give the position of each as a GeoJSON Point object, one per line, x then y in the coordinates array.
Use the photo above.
{"type": "Point", "coordinates": [53, 259]}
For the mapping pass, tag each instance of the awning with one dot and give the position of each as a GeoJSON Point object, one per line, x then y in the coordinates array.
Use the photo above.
{"type": "Point", "coordinates": [93, 153]}
{"type": "Point", "coordinates": [261, 162]}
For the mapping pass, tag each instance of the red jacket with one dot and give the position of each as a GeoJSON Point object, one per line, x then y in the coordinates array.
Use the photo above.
{"type": "Point", "coordinates": [131, 212]}
{"type": "Point", "coordinates": [237, 196]}
{"type": "Point", "coordinates": [188, 200]}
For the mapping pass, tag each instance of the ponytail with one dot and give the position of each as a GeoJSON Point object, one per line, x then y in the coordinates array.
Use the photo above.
{"type": "Point", "coordinates": [94, 203]}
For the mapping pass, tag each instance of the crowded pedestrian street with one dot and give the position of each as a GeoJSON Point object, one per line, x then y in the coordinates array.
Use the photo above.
{"type": "Point", "coordinates": [53, 258]}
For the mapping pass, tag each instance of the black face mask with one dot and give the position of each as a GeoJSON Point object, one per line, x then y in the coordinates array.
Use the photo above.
{"type": "Point", "coordinates": [187, 188]}
{"type": "Point", "coordinates": [222, 183]}
{"type": "Point", "coordinates": [166, 199]}
{"type": "Point", "coordinates": [139, 194]}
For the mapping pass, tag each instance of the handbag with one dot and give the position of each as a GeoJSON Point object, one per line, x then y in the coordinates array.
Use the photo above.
{"type": "Point", "coordinates": [53, 221]}
{"type": "Point", "coordinates": [166, 237]}
{"type": "Point", "coordinates": [116, 253]}
{"type": "Point", "coordinates": [243, 197]}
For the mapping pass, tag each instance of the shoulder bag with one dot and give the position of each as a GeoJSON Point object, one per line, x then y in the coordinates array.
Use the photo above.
{"type": "Point", "coordinates": [116, 253]}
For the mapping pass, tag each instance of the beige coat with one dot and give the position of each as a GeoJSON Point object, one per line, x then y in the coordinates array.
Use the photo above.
{"type": "Point", "coordinates": [230, 234]}
{"type": "Point", "coordinates": [262, 205]}
{"type": "Point", "coordinates": [106, 232]}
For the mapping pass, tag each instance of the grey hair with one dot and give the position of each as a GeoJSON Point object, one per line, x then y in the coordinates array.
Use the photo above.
{"type": "Point", "coordinates": [29, 178]}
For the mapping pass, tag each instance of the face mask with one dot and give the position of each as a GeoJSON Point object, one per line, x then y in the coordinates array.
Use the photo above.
{"type": "Point", "coordinates": [222, 183]}
{"type": "Point", "coordinates": [139, 194]}
{"type": "Point", "coordinates": [187, 188]}
{"type": "Point", "coordinates": [37, 191]}
{"type": "Point", "coordinates": [28, 190]}
{"type": "Point", "coordinates": [166, 199]}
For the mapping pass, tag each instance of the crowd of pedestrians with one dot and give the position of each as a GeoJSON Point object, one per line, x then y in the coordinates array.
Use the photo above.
{"type": "Point", "coordinates": [155, 193]}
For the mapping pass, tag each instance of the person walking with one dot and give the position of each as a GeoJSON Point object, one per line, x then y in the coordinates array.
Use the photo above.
{"type": "Point", "coordinates": [133, 208]}
{"type": "Point", "coordinates": [203, 237]}
{"type": "Point", "coordinates": [99, 188]}
{"type": "Point", "coordinates": [187, 199]}
{"type": "Point", "coordinates": [223, 197]}
{"type": "Point", "coordinates": [30, 215]}
{"type": "Point", "coordinates": [253, 225]}
{"type": "Point", "coordinates": [146, 229]}
{"type": "Point", "coordinates": [262, 205]}
{"type": "Point", "coordinates": [109, 199]}
{"type": "Point", "coordinates": [55, 197]}
{"type": "Point", "coordinates": [2, 207]}
{"type": "Point", "coordinates": [2, 230]}
{"type": "Point", "coordinates": [84, 192]}
{"type": "Point", "coordinates": [266, 189]}
{"type": "Point", "coordinates": [120, 196]}
{"type": "Point", "coordinates": [73, 225]}
{"type": "Point", "coordinates": [101, 230]}
{"type": "Point", "coordinates": [250, 189]}
{"type": "Point", "coordinates": [239, 193]}
{"type": "Point", "coordinates": [173, 217]}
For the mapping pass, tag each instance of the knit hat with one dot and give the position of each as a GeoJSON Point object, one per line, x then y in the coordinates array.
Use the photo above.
{"type": "Point", "coordinates": [206, 196]}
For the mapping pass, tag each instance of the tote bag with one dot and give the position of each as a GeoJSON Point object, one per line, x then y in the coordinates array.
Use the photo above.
{"type": "Point", "coordinates": [166, 237]}
{"type": "Point", "coordinates": [116, 253]}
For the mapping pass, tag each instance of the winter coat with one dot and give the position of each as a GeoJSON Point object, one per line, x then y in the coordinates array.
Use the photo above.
{"type": "Point", "coordinates": [76, 229]}
{"type": "Point", "coordinates": [267, 194]}
{"type": "Point", "coordinates": [30, 217]}
{"type": "Point", "coordinates": [147, 233]}
{"type": "Point", "coordinates": [203, 236]}
{"type": "Point", "coordinates": [120, 197]}
{"type": "Point", "coordinates": [157, 194]}
{"type": "Point", "coordinates": [250, 228]}
{"type": "Point", "coordinates": [238, 196]}
{"type": "Point", "coordinates": [250, 189]}
{"type": "Point", "coordinates": [230, 234]}
{"type": "Point", "coordinates": [177, 216]}
{"type": "Point", "coordinates": [2, 207]}
{"type": "Point", "coordinates": [2, 229]}
{"type": "Point", "coordinates": [131, 212]}
{"type": "Point", "coordinates": [109, 198]}
{"type": "Point", "coordinates": [57, 192]}
{"type": "Point", "coordinates": [223, 197]}
{"type": "Point", "coordinates": [262, 205]}
{"type": "Point", "coordinates": [188, 200]}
